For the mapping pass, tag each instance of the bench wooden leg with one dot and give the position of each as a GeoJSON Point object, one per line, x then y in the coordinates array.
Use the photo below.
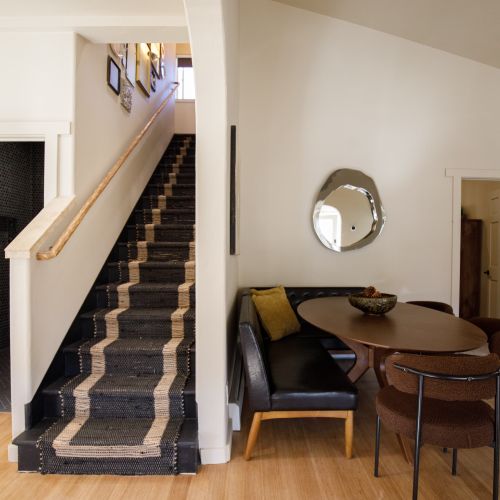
{"type": "Point", "coordinates": [349, 431]}
{"type": "Point", "coordinates": [252, 436]}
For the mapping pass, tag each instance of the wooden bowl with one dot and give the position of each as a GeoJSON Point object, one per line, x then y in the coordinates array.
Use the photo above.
{"type": "Point", "coordinates": [373, 305]}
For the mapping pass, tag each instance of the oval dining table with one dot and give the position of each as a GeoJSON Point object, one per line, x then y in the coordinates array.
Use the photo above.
{"type": "Point", "coordinates": [406, 328]}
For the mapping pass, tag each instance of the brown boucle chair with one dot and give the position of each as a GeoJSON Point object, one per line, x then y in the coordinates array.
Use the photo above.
{"type": "Point", "coordinates": [449, 411]}
{"type": "Point", "coordinates": [490, 326]}
{"type": "Point", "coordinates": [431, 304]}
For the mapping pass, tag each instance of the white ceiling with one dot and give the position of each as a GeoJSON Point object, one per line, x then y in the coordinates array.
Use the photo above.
{"type": "Point", "coordinates": [469, 28]}
{"type": "Point", "coordinates": [91, 8]}
{"type": "Point", "coordinates": [101, 21]}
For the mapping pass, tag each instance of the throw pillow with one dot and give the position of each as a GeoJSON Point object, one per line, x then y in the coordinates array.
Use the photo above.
{"type": "Point", "coordinates": [275, 312]}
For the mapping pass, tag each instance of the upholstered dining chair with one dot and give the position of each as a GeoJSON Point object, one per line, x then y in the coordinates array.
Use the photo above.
{"type": "Point", "coordinates": [490, 326]}
{"type": "Point", "coordinates": [439, 400]}
{"type": "Point", "coordinates": [431, 304]}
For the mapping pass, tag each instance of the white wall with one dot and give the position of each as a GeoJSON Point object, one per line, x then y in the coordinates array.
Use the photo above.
{"type": "Point", "coordinates": [319, 94]}
{"type": "Point", "coordinates": [185, 117]}
{"type": "Point", "coordinates": [213, 30]}
{"type": "Point", "coordinates": [103, 128]}
{"type": "Point", "coordinates": [46, 295]}
{"type": "Point", "coordinates": [41, 90]}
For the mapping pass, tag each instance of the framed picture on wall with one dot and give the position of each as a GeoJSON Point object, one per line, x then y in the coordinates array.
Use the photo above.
{"type": "Point", "coordinates": [143, 68]}
{"type": "Point", "coordinates": [130, 67]}
{"type": "Point", "coordinates": [163, 69]}
{"type": "Point", "coordinates": [153, 80]}
{"type": "Point", "coordinates": [120, 51]}
{"type": "Point", "coordinates": [155, 57]}
{"type": "Point", "coordinates": [114, 75]}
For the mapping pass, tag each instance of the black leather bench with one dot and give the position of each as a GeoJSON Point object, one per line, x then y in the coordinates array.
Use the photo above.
{"type": "Point", "coordinates": [294, 377]}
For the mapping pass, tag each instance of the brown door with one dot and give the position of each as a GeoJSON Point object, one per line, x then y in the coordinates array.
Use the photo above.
{"type": "Point", "coordinates": [493, 257]}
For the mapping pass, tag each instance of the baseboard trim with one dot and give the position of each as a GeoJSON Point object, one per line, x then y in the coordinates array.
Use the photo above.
{"type": "Point", "coordinates": [210, 456]}
{"type": "Point", "coordinates": [12, 452]}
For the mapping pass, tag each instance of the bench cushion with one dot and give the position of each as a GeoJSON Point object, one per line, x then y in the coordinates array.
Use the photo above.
{"type": "Point", "coordinates": [305, 377]}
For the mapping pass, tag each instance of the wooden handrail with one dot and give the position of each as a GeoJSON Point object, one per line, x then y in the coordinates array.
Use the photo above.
{"type": "Point", "coordinates": [55, 249]}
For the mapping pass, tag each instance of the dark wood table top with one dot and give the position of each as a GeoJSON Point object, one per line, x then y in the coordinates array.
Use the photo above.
{"type": "Point", "coordinates": [406, 328]}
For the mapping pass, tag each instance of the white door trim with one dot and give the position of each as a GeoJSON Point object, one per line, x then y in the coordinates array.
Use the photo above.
{"type": "Point", "coordinates": [47, 132]}
{"type": "Point", "coordinates": [459, 174]}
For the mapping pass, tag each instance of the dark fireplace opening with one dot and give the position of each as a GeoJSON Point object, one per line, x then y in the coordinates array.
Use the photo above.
{"type": "Point", "coordinates": [21, 198]}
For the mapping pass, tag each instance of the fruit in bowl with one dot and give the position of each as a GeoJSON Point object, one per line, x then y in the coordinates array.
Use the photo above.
{"type": "Point", "coordinates": [371, 301]}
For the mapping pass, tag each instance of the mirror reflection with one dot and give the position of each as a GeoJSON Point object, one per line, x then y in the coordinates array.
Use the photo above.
{"type": "Point", "coordinates": [348, 213]}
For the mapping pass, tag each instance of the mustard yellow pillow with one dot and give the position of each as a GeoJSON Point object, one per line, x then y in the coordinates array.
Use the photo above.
{"type": "Point", "coordinates": [275, 312]}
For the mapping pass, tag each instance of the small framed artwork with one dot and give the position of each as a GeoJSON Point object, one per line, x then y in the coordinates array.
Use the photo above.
{"type": "Point", "coordinates": [120, 51]}
{"type": "Point", "coordinates": [233, 195]}
{"type": "Point", "coordinates": [155, 53]}
{"type": "Point", "coordinates": [163, 69]}
{"type": "Point", "coordinates": [130, 67]}
{"type": "Point", "coordinates": [126, 93]}
{"type": "Point", "coordinates": [143, 68]}
{"type": "Point", "coordinates": [114, 75]}
{"type": "Point", "coordinates": [153, 80]}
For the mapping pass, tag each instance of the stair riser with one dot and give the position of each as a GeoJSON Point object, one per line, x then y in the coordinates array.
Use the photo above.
{"type": "Point", "coordinates": [177, 190]}
{"type": "Point", "coordinates": [52, 406]}
{"type": "Point", "coordinates": [188, 157]}
{"type": "Point", "coordinates": [136, 363]}
{"type": "Point", "coordinates": [142, 299]}
{"type": "Point", "coordinates": [175, 167]}
{"type": "Point", "coordinates": [72, 364]}
{"type": "Point", "coordinates": [165, 217]}
{"type": "Point", "coordinates": [170, 235]}
{"type": "Point", "coordinates": [159, 254]}
{"type": "Point", "coordinates": [188, 455]}
{"type": "Point", "coordinates": [181, 178]}
{"type": "Point", "coordinates": [149, 202]}
{"type": "Point", "coordinates": [120, 274]}
{"type": "Point", "coordinates": [115, 406]}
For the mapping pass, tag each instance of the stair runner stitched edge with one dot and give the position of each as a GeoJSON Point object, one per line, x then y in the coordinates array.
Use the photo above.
{"type": "Point", "coordinates": [79, 443]}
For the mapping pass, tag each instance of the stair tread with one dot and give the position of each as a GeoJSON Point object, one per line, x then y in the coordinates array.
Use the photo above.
{"type": "Point", "coordinates": [188, 434]}
{"type": "Point", "coordinates": [135, 313]}
{"type": "Point", "coordinates": [158, 264]}
{"type": "Point", "coordinates": [145, 286]}
{"type": "Point", "coordinates": [168, 210]}
{"type": "Point", "coordinates": [166, 226]}
{"type": "Point", "coordinates": [121, 382]}
{"type": "Point", "coordinates": [157, 244]}
{"type": "Point", "coordinates": [119, 385]}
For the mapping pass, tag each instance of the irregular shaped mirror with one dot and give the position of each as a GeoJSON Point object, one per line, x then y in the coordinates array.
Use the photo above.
{"type": "Point", "coordinates": [348, 213]}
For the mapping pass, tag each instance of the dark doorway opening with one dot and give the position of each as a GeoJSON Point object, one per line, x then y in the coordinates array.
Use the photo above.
{"type": "Point", "coordinates": [21, 198]}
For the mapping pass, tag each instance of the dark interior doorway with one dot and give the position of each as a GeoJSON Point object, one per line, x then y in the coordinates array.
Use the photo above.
{"type": "Point", "coordinates": [21, 198]}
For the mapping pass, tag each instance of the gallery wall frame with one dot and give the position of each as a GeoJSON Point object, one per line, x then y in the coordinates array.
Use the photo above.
{"type": "Point", "coordinates": [143, 68]}
{"type": "Point", "coordinates": [233, 199]}
{"type": "Point", "coordinates": [131, 63]}
{"type": "Point", "coordinates": [113, 75]}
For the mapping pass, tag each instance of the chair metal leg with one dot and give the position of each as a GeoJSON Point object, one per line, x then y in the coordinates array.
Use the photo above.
{"type": "Point", "coordinates": [497, 438]}
{"type": "Point", "coordinates": [418, 432]}
{"type": "Point", "coordinates": [252, 436]}
{"type": "Point", "coordinates": [377, 447]}
{"type": "Point", "coordinates": [454, 462]}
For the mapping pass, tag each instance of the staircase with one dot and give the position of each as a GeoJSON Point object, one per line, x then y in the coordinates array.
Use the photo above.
{"type": "Point", "coordinates": [127, 402]}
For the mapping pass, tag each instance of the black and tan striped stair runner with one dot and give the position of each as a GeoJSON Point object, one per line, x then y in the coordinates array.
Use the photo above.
{"type": "Point", "coordinates": [123, 413]}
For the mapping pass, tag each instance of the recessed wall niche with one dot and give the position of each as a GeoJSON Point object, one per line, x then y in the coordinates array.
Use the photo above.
{"type": "Point", "coordinates": [21, 198]}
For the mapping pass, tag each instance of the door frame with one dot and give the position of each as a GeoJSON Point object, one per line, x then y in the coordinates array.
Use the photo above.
{"type": "Point", "coordinates": [458, 175]}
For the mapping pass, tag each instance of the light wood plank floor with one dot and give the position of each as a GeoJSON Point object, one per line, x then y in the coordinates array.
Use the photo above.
{"type": "Point", "coordinates": [301, 459]}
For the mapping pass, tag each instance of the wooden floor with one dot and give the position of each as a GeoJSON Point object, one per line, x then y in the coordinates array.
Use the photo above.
{"type": "Point", "coordinates": [301, 459]}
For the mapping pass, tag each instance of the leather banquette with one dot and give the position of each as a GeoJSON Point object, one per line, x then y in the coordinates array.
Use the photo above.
{"type": "Point", "coordinates": [294, 377]}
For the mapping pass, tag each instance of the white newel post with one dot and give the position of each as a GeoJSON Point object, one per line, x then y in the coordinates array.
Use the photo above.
{"type": "Point", "coordinates": [20, 344]}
